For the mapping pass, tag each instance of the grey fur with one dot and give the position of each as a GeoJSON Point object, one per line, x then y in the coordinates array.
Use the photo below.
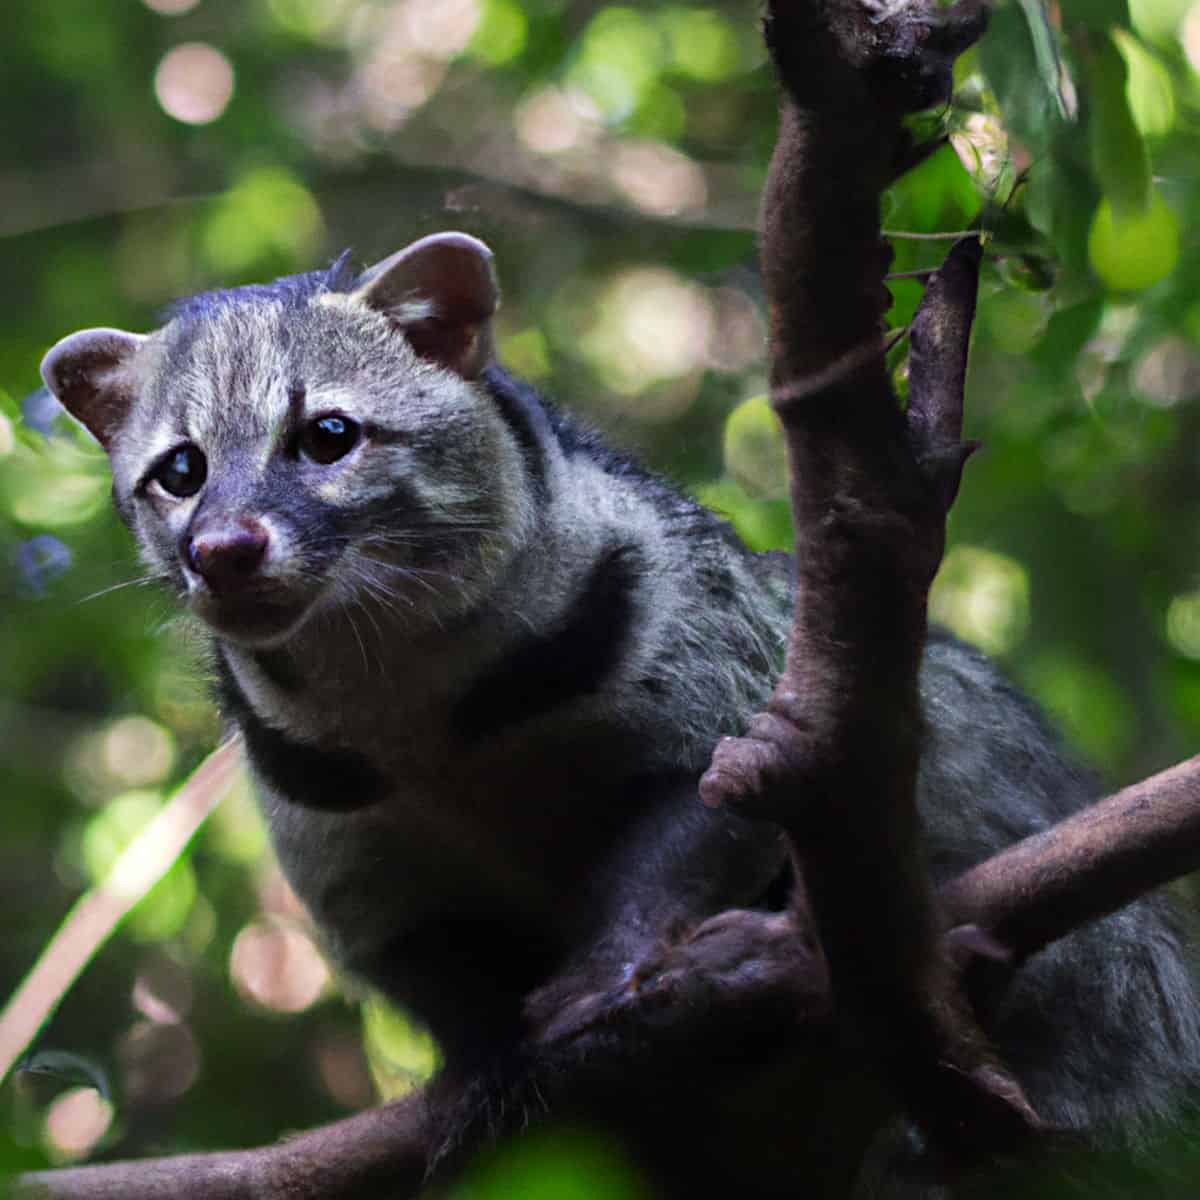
{"type": "Point", "coordinates": [464, 537]}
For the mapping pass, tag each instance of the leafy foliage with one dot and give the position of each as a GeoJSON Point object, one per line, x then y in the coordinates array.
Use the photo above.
{"type": "Point", "coordinates": [612, 155]}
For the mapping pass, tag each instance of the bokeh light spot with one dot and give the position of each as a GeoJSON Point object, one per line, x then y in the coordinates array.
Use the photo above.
{"type": "Point", "coordinates": [1167, 373]}
{"type": "Point", "coordinates": [75, 1122]}
{"type": "Point", "coordinates": [194, 83]}
{"type": "Point", "coordinates": [159, 1061]}
{"type": "Point", "coordinates": [278, 967]}
{"type": "Point", "coordinates": [1183, 624]}
{"type": "Point", "coordinates": [502, 33]}
{"type": "Point", "coordinates": [171, 8]}
{"type": "Point", "coordinates": [983, 596]}
{"type": "Point", "coordinates": [442, 30]}
{"type": "Point", "coordinates": [549, 123]}
{"type": "Point", "coordinates": [138, 751]}
{"type": "Point", "coordinates": [754, 449]}
{"type": "Point", "coordinates": [704, 45]}
{"type": "Point", "coordinates": [658, 178]}
{"type": "Point", "coordinates": [267, 212]}
{"type": "Point", "coordinates": [650, 324]}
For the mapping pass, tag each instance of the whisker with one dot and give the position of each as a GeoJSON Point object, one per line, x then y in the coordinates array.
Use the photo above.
{"type": "Point", "coordinates": [357, 636]}
{"type": "Point", "coordinates": [141, 581]}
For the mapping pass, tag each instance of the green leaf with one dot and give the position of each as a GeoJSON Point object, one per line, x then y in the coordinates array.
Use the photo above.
{"type": "Point", "coordinates": [1010, 62]}
{"type": "Point", "coordinates": [755, 454]}
{"type": "Point", "coordinates": [1117, 150]}
{"type": "Point", "coordinates": [1094, 14]}
{"type": "Point", "coordinates": [1045, 51]}
{"type": "Point", "coordinates": [1066, 332]}
{"type": "Point", "coordinates": [1137, 249]}
{"type": "Point", "coordinates": [1058, 199]}
{"type": "Point", "coordinates": [1149, 92]}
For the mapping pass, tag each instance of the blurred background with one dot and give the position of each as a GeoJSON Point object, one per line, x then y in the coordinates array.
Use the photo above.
{"type": "Point", "coordinates": [612, 156]}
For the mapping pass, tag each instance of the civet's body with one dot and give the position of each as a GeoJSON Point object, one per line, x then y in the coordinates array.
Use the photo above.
{"type": "Point", "coordinates": [480, 661]}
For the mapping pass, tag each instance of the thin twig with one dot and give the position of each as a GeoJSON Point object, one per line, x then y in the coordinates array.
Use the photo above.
{"type": "Point", "coordinates": [97, 913]}
{"type": "Point", "coordinates": [947, 236]}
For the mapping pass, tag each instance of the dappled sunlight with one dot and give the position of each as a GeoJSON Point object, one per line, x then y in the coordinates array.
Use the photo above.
{"type": "Point", "coordinates": [440, 30]}
{"type": "Point", "coordinates": [649, 324]}
{"type": "Point", "coordinates": [278, 967]}
{"type": "Point", "coordinates": [138, 751]}
{"type": "Point", "coordinates": [75, 1122]}
{"type": "Point", "coordinates": [1167, 373]}
{"type": "Point", "coordinates": [982, 596]}
{"type": "Point", "coordinates": [1183, 624]}
{"type": "Point", "coordinates": [553, 121]}
{"type": "Point", "coordinates": [393, 84]}
{"type": "Point", "coordinates": [130, 752]}
{"type": "Point", "coordinates": [194, 83]}
{"type": "Point", "coordinates": [658, 179]}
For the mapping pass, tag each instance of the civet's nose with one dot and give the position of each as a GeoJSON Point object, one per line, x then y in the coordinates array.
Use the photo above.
{"type": "Point", "coordinates": [228, 554]}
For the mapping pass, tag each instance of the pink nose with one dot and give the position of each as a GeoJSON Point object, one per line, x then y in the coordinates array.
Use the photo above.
{"type": "Point", "coordinates": [227, 555]}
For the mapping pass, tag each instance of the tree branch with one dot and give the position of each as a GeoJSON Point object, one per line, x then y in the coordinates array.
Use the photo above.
{"type": "Point", "coordinates": [738, 976]}
{"type": "Point", "coordinates": [834, 757]}
{"type": "Point", "coordinates": [378, 1153]}
{"type": "Point", "coordinates": [1086, 867]}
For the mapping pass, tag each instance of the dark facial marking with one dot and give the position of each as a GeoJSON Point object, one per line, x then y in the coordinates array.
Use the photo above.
{"type": "Point", "coordinates": [547, 671]}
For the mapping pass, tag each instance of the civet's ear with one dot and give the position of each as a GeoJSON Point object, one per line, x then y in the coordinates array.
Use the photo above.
{"type": "Point", "coordinates": [91, 373]}
{"type": "Point", "coordinates": [441, 292]}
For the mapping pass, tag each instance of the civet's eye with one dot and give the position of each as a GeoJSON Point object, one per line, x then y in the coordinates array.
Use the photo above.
{"type": "Point", "coordinates": [182, 471]}
{"type": "Point", "coordinates": [328, 438]}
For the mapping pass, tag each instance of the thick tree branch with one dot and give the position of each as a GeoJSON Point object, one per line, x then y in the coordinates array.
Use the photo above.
{"type": "Point", "coordinates": [378, 1153]}
{"type": "Point", "coordinates": [1089, 865]}
{"type": "Point", "coordinates": [739, 976]}
{"type": "Point", "coordinates": [834, 758]}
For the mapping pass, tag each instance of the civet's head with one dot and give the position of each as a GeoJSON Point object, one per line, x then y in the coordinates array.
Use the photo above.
{"type": "Point", "coordinates": [284, 448]}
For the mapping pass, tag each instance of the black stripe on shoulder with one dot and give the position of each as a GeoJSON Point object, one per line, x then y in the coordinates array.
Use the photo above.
{"type": "Point", "coordinates": [521, 407]}
{"type": "Point", "coordinates": [303, 774]}
{"type": "Point", "coordinates": [280, 668]}
{"type": "Point", "coordinates": [546, 671]}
